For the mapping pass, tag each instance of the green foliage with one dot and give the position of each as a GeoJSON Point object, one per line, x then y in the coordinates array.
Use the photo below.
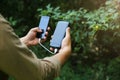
{"type": "Point", "coordinates": [86, 25]}
{"type": "Point", "coordinates": [113, 68]}
{"type": "Point", "coordinates": [98, 71]}
{"type": "Point", "coordinates": [95, 34]}
{"type": "Point", "coordinates": [95, 37]}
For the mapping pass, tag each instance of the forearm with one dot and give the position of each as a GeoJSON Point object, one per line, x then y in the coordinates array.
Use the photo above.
{"type": "Point", "coordinates": [63, 55]}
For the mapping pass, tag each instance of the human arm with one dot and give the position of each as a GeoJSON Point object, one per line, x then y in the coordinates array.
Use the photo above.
{"type": "Point", "coordinates": [20, 62]}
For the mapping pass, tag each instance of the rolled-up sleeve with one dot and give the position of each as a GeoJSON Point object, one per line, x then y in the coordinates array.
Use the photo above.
{"type": "Point", "coordinates": [50, 68]}
{"type": "Point", "coordinates": [20, 62]}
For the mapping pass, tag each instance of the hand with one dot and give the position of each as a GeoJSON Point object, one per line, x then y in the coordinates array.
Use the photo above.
{"type": "Point", "coordinates": [66, 42]}
{"type": "Point", "coordinates": [30, 39]}
{"type": "Point", "coordinates": [65, 50]}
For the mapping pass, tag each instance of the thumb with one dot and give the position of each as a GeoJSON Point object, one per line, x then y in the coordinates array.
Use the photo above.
{"type": "Point", "coordinates": [68, 32]}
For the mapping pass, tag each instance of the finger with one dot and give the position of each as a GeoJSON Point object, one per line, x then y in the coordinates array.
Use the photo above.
{"type": "Point", "coordinates": [51, 36]}
{"type": "Point", "coordinates": [36, 29]}
{"type": "Point", "coordinates": [68, 32]}
{"type": "Point", "coordinates": [39, 30]}
{"type": "Point", "coordinates": [46, 33]}
{"type": "Point", "coordinates": [44, 39]}
{"type": "Point", "coordinates": [48, 29]}
{"type": "Point", "coordinates": [52, 49]}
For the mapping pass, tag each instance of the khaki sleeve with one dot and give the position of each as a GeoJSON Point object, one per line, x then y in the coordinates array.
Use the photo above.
{"type": "Point", "coordinates": [20, 62]}
{"type": "Point", "coordinates": [50, 68]}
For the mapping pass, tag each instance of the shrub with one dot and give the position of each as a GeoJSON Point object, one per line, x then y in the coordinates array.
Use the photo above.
{"type": "Point", "coordinates": [95, 36]}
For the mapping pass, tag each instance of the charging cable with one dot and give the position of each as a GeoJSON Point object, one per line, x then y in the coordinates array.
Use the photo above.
{"type": "Point", "coordinates": [55, 50]}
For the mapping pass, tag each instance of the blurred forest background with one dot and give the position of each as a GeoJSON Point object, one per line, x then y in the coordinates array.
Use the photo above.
{"type": "Point", "coordinates": [95, 31]}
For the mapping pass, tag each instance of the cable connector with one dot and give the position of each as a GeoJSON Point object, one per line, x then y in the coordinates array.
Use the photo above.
{"type": "Point", "coordinates": [55, 50]}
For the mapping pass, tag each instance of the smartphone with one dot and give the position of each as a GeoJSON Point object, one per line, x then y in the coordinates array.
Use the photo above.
{"type": "Point", "coordinates": [59, 34]}
{"type": "Point", "coordinates": [43, 24]}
